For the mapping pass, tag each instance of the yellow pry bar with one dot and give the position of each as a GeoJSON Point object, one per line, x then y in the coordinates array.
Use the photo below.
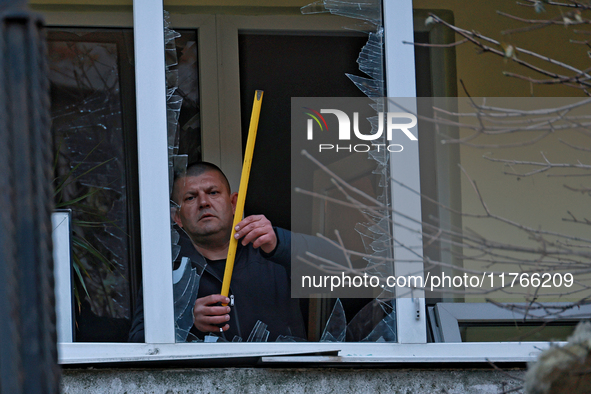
{"type": "Point", "coordinates": [252, 134]}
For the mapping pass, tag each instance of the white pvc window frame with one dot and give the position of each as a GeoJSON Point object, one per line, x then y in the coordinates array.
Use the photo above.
{"type": "Point", "coordinates": [62, 268]}
{"type": "Point", "coordinates": [448, 316]}
{"type": "Point", "coordinates": [154, 207]}
{"type": "Point", "coordinates": [400, 82]}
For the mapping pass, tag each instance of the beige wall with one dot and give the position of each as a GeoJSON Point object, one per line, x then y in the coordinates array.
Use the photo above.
{"type": "Point", "coordinates": [221, 3]}
{"type": "Point", "coordinates": [482, 73]}
{"type": "Point", "coordinates": [538, 201]}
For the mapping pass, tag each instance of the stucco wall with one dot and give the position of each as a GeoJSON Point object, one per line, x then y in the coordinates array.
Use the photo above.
{"type": "Point", "coordinates": [267, 380]}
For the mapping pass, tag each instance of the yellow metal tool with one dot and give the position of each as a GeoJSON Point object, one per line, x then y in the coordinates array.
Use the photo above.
{"type": "Point", "coordinates": [252, 133]}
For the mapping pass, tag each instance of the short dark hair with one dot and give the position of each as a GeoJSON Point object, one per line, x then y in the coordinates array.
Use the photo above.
{"type": "Point", "coordinates": [198, 168]}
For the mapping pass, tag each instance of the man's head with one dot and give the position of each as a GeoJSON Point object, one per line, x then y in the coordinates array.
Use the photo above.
{"type": "Point", "coordinates": [194, 170]}
{"type": "Point", "coordinates": [206, 205]}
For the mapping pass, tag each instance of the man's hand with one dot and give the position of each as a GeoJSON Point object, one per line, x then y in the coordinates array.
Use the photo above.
{"type": "Point", "coordinates": [258, 230]}
{"type": "Point", "coordinates": [206, 314]}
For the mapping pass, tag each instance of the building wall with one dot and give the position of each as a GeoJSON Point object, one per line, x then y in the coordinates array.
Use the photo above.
{"type": "Point", "coordinates": [482, 73]}
{"type": "Point", "coordinates": [539, 201]}
{"type": "Point", "coordinates": [296, 380]}
{"type": "Point", "coordinates": [483, 77]}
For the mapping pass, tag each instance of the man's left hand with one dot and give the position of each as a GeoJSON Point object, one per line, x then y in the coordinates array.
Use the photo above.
{"type": "Point", "coordinates": [258, 230]}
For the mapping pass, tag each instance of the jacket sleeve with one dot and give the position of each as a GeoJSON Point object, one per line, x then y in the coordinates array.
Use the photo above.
{"type": "Point", "coordinates": [294, 245]}
{"type": "Point", "coordinates": [282, 253]}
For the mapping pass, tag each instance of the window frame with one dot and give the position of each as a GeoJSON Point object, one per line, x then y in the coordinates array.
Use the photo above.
{"type": "Point", "coordinates": [220, 145]}
{"type": "Point", "coordinates": [446, 317]}
{"type": "Point", "coordinates": [61, 231]}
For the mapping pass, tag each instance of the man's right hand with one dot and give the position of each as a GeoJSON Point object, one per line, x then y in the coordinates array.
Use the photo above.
{"type": "Point", "coordinates": [207, 316]}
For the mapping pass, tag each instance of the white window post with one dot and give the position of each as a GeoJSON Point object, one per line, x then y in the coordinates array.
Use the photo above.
{"type": "Point", "coordinates": [148, 30]}
{"type": "Point", "coordinates": [400, 78]}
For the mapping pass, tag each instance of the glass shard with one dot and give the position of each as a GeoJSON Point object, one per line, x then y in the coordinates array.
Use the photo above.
{"type": "Point", "coordinates": [211, 338]}
{"type": "Point", "coordinates": [369, 10]}
{"type": "Point", "coordinates": [384, 331]}
{"type": "Point", "coordinates": [259, 333]}
{"type": "Point", "coordinates": [185, 290]}
{"type": "Point", "coordinates": [289, 338]}
{"type": "Point", "coordinates": [376, 319]}
{"type": "Point", "coordinates": [336, 326]}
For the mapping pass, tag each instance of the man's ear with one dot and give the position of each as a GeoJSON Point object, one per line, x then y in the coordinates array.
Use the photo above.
{"type": "Point", "coordinates": [233, 200]}
{"type": "Point", "coordinates": [175, 216]}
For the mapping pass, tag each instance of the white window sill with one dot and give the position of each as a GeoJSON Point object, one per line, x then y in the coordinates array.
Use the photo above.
{"type": "Point", "coordinates": [94, 353]}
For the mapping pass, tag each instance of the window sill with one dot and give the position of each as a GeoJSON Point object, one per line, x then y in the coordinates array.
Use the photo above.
{"type": "Point", "coordinates": [314, 352]}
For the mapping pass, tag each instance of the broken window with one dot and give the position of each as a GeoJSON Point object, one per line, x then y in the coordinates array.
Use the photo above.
{"type": "Point", "coordinates": [332, 320]}
{"type": "Point", "coordinates": [93, 124]}
{"type": "Point", "coordinates": [288, 64]}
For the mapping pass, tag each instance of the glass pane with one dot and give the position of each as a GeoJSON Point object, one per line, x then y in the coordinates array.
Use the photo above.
{"type": "Point", "coordinates": [189, 123]}
{"type": "Point", "coordinates": [516, 332]}
{"type": "Point", "coordinates": [93, 128]}
{"type": "Point", "coordinates": [184, 135]}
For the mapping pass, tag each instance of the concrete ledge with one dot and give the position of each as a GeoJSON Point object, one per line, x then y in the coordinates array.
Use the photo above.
{"type": "Point", "coordinates": [301, 380]}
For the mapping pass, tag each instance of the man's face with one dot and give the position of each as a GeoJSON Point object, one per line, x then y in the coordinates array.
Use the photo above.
{"type": "Point", "coordinates": [206, 207]}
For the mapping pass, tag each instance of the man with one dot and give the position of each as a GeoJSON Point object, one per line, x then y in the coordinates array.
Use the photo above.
{"type": "Point", "coordinates": [261, 278]}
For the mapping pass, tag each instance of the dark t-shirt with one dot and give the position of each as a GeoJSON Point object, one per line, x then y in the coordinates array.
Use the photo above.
{"type": "Point", "coordinates": [218, 267]}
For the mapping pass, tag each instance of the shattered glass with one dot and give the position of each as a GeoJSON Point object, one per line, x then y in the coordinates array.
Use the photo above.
{"type": "Point", "coordinates": [181, 90]}
{"type": "Point", "coordinates": [182, 99]}
{"type": "Point", "coordinates": [376, 236]}
{"type": "Point", "coordinates": [93, 118]}
{"type": "Point", "coordinates": [374, 322]}
{"type": "Point", "coordinates": [259, 333]}
{"type": "Point", "coordinates": [90, 137]}
{"type": "Point", "coordinates": [183, 126]}
{"type": "Point", "coordinates": [174, 100]}
{"type": "Point", "coordinates": [377, 320]}
{"type": "Point", "coordinates": [210, 338]}
{"type": "Point", "coordinates": [336, 326]}
{"type": "Point", "coordinates": [185, 287]}
{"type": "Point", "coordinates": [289, 338]}
{"type": "Point", "coordinates": [369, 10]}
